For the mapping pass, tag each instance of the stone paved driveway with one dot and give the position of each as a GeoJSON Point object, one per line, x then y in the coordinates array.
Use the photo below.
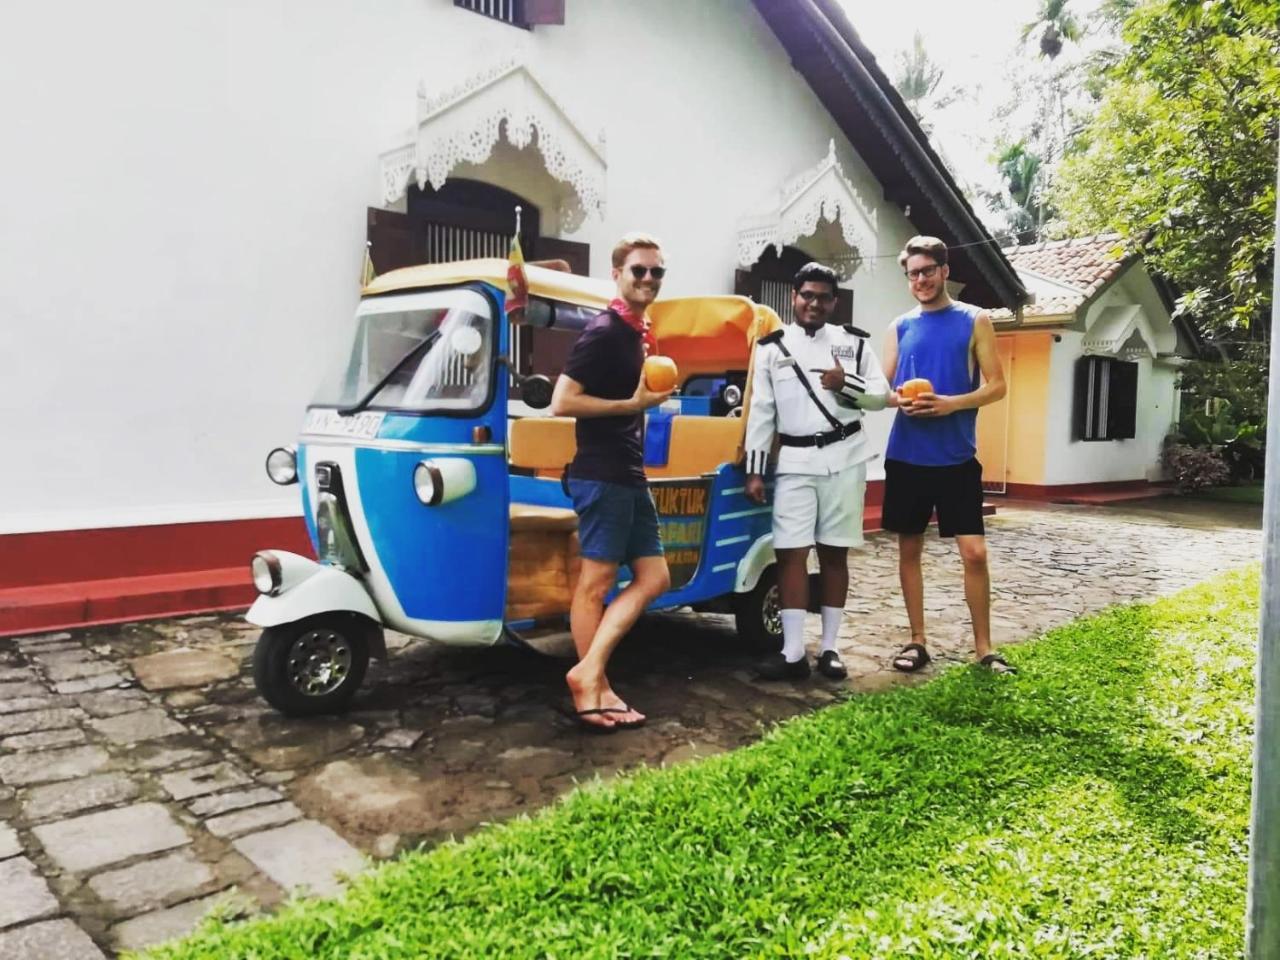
{"type": "Point", "coordinates": [142, 781]}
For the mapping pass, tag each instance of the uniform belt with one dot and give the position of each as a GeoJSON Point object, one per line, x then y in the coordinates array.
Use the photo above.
{"type": "Point", "coordinates": [821, 439]}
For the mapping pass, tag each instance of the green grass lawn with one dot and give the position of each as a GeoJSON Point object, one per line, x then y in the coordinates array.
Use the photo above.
{"type": "Point", "coordinates": [1096, 805]}
{"type": "Point", "coordinates": [1245, 493]}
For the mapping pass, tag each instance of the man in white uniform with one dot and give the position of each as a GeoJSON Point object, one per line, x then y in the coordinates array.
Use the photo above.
{"type": "Point", "coordinates": [812, 382]}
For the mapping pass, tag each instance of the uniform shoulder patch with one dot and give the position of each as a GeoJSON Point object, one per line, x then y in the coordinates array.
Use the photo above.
{"type": "Point", "coordinates": [771, 337]}
{"type": "Point", "coordinates": [856, 331]}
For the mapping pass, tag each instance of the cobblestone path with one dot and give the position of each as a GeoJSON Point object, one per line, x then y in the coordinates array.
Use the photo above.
{"type": "Point", "coordinates": [142, 781]}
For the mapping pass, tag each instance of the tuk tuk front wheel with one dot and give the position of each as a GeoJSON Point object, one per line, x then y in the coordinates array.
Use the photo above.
{"type": "Point", "coordinates": [757, 614]}
{"type": "Point", "coordinates": [313, 666]}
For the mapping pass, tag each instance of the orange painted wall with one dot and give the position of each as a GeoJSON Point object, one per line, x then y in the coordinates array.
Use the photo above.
{"type": "Point", "coordinates": [1025, 411]}
{"type": "Point", "coordinates": [1029, 416]}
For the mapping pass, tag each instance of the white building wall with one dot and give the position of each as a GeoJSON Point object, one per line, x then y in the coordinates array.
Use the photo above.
{"type": "Point", "coordinates": [185, 194]}
{"type": "Point", "coordinates": [1069, 461]}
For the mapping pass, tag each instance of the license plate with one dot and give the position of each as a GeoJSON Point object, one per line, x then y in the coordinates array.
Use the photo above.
{"type": "Point", "coordinates": [330, 423]}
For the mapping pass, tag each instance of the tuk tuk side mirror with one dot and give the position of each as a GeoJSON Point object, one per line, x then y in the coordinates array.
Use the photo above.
{"type": "Point", "coordinates": [540, 313]}
{"type": "Point", "coordinates": [536, 391]}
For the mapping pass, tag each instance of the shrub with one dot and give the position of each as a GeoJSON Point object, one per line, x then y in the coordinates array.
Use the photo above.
{"type": "Point", "coordinates": [1194, 468]}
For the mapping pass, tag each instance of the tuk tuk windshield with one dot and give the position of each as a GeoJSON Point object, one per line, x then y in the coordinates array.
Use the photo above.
{"type": "Point", "coordinates": [432, 348]}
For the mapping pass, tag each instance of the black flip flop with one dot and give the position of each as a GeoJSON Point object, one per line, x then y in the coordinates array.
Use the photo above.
{"type": "Point", "coordinates": [578, 715]}
{"type": "Point", "coordinates": [990, 661]}
{"type": "Point", "coordinates": [625, 724]}
{"type": "Point", "coordinates": [918, 662]}
{"type": "Point", "coordinates": [584, 724]}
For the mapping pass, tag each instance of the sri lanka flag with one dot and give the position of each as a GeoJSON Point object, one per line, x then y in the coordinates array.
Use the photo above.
{"type": "Point", "coordinates": [517, 281]}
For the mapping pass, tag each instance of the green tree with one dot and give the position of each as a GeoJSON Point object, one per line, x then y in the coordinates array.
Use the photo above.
{"type": "Point", "coordinates": [1053, 25]}
{"type": "Point", "coordinates": [1018, 201]}
{"type": "Point", "coordinates": [917, 78]}
{"type": "Point", "coordinates": [1182, 153]}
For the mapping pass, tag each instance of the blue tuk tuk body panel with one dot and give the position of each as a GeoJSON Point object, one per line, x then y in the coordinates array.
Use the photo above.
{"type": "Point", "coordinates": [438, 571]}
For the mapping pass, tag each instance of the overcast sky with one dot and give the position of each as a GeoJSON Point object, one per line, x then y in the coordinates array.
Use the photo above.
{"type": "Point", "coordinates": [973, 41]}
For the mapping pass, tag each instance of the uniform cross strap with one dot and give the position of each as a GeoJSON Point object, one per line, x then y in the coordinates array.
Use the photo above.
{"type": "Point", "coordinates": [842, 432]}
{"type": "Point", "coordinates": [836, 425]}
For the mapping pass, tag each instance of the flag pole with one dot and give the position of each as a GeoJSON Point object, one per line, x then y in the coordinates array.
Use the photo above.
{"type": "Point", "coordinates": [1262, 926]}
{"type": "Point", "coordinates": [367, 273]}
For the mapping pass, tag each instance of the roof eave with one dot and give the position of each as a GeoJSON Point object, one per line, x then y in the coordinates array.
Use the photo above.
{"type": "Point", "coordinates": [849, 60]}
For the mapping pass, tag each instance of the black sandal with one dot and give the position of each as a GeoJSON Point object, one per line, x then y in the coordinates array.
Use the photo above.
{"type": "Point", "coordinates": [990, 661]}
{"type": "Point", "coordinates": [914, 655]}
{"type": "Point", "coordinates": [599, 728]}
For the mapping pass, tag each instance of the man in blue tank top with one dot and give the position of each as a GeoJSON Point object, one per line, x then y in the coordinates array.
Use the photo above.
{"type": "Point", "coordinates": [930, 463]}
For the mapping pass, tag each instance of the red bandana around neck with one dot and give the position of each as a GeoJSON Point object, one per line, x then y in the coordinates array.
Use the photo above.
{"type": "Point", "coordinates": [639, 324]}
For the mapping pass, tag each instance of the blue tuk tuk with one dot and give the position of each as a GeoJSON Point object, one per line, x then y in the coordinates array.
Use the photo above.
{"type": "Point", "coordinates": [430, 477]}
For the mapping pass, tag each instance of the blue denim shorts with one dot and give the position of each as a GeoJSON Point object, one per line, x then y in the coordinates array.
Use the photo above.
{"type": "Point", "coordinates": [616, 523]}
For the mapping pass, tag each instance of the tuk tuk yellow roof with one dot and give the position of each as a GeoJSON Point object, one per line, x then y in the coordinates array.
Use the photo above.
{"type": "Point", "coordinates": [552, 284]}
{"type": "Point", "coordinates": [704, 331]}
{"type": "Point", "coordinates": [709, 317]}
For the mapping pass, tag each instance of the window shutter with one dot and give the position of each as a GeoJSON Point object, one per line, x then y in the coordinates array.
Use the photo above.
{"type": "Point", "coordinates": [1122, 401]}
{"type": "Point", "coordinates": [1080, 400]}
{"type": "Point", "coordinates": [843, 312]}
{"type": "Point", "coordinates": [577, 255]}
{"type": "Point", "coordinates": [543, 12]}
{"type": "Point", "coordinates": [391, 240]}
{"type": "Point", "coordinates": [747, 284]}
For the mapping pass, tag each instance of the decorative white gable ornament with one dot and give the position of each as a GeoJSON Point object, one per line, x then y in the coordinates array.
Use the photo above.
{"type": "Point", "coordinates": [464, 124]}
{"type": "Point", "coordinates": [820, 193]}
{"type": "Point", "coordinates": [1123, 332]}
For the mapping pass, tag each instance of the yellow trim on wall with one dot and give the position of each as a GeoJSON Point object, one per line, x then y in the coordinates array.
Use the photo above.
{"type": "Point", "coordinates": [1029, 417]}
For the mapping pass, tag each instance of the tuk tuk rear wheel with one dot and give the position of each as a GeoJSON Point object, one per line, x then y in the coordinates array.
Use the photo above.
{"type": "Point", "coordinates": [312, 666]}
{"type": "Point", "coordinates": [757, 615]}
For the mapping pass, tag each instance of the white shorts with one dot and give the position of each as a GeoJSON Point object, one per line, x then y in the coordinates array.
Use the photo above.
{"type": "Point", "coordinates": [819, 509]}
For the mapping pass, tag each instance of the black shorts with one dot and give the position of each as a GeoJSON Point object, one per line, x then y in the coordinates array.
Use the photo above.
{"type": "Point", "coordinates": [912, 493]}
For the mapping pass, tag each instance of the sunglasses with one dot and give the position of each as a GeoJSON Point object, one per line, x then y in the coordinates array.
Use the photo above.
{"type": "Point", "coordinates": [808, 296]}
{"type": "Point", "coordinates": [639, 272]}
{"type": "Point", "coordinates": [925, 272]}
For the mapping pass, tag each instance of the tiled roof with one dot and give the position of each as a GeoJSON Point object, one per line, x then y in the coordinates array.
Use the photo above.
{"type": "Point", "coordinates": [1086, 264]}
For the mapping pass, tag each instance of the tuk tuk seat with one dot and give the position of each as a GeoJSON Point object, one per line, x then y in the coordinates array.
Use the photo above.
{"type": "Point", "coordinates": [543, 444]}
{"type": "Point", "coordinates": [698, 445]}
{"type": "Point", "coordinates": [528, 517]}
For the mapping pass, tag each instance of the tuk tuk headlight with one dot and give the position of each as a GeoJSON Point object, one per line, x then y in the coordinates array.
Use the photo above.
{"type": "Point", "coordinates": [265, 568]}
{"type": "Point", "coordinates": [441, 481]}
{"type": "Point", "coordinates": [282, 465]}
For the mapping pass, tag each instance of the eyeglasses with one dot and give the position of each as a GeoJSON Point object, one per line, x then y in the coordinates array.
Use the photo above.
{"type": "Point", "coordinates": [924, 272]}
{"type": "Point", "coordinates": [639, 272]}
{"type": "Point", "coordinates": [808, 296]}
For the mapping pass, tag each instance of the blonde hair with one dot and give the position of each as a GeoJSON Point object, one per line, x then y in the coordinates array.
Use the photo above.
{"type": "Point", "coordinates": [930, 247]}
{"type": "Point", "coordinates": [633, 241]}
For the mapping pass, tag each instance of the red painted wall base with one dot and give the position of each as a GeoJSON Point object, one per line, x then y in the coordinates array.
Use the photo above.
{"type": "Point", "coordinates": [1111, 492]}
{"type": "Point", "coordinates": [75, 578]}
{"type": "Point", "coordinates": [79, 578]}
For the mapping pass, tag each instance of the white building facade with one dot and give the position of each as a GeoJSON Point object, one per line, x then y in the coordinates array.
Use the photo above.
{"type": "Point", "coordinates": [188, 186]}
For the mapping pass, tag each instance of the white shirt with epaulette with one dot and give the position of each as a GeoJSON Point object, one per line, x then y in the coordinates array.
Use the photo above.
{"type": "Point", "coordinates": [780, 403]}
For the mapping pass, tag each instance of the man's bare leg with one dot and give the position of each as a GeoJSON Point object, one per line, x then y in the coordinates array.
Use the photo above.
{"type": "Point", "coordinates": [977, 589]}
{"type": "Point", "coordinates": [587, 681]}
{"type": "Point", "coordinates": [595, 579]}
{"type": "Point", "coordinates": [911, 579]}
{"type": "Point", "coordinates": [833, 575]}
{"type": "Point", "coordinates": [793, 577]}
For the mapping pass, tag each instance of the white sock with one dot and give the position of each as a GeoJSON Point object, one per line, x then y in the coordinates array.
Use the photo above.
{"type": "Point", "coordinates": [792, 635]}
{"type": "Point", "coordinates": [831, 617]}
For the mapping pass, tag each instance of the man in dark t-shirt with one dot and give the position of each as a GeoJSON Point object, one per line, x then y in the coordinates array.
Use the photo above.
{"type": "Point", "coordinates": [603, 388]}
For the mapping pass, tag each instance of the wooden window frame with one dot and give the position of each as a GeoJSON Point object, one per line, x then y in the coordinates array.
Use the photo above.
{"type": "Point", "coordinates": [1105, 404]}
{"type": "Point", "coordinates": [525, 14]}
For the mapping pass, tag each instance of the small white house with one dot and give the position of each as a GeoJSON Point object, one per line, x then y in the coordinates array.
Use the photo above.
{"type": "Point", "coordinates": [1093, 368]}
